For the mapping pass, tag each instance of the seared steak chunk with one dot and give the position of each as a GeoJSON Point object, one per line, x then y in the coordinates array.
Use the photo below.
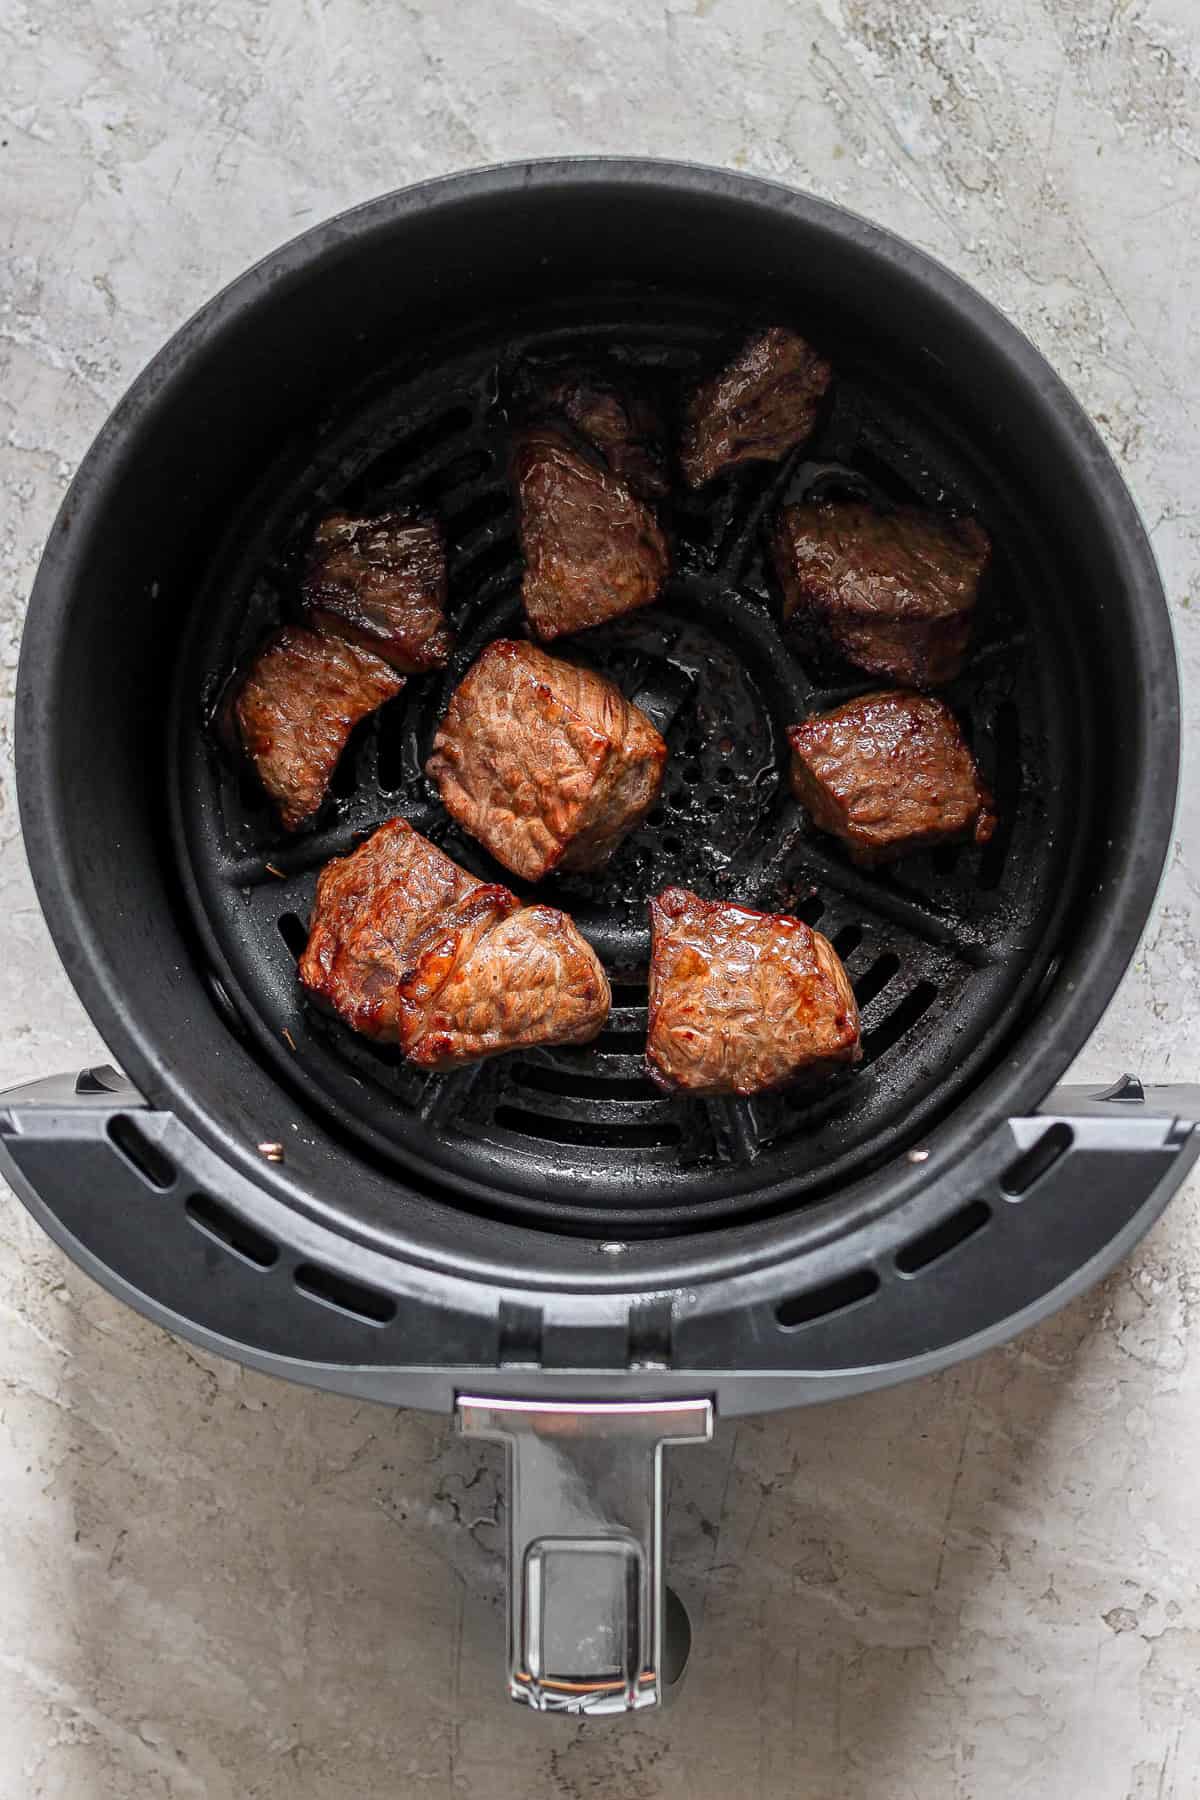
{"type": "Point", "coordinates": [760, 406]}
{"type": "Point", "coordinates": [410, 949]}
{"type": "Point", "coordinates": [890, 774]}
{"type": "Point", "coordinates": [382, 582]}
{"type": "Point", "coordinates": [592, 549]}
{"type": "Point", "coordinates": [548, 765]}
{"type": "Point", "coordinates": [742, 1001]}
{"type": "Point", "coordinates": [609, 410]}
{"type": "Point", "coordinates": [304, 694]}
{"type": "Point", "coordinates": [892, 592]}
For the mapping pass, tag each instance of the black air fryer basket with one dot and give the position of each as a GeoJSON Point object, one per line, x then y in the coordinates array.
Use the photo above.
{"type": "Point", "coordinates": [570, 1260]}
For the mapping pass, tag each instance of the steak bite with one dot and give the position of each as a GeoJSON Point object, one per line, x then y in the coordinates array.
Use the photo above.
{"type": "Point", "coordinates": [548, 765]}
{"type": "Point", "coordinates": [302, 697]}
{"type": "Point", "coordinates": [890, 774]}
{"type": "Point", "coordinates": [892, 592]}
{"type": "Point", "coordinates": [592, 549]}
{"type": "Point", "coordinates": [742, 1001]}
{"type": "Point", "coordinates": [619, 418]}
{"type": "Point", "coordinates": [408, 948]}
{"type": "Point", "coordinates": [757, 408]}
{"type": "Point", "coordinates": [382, 582]}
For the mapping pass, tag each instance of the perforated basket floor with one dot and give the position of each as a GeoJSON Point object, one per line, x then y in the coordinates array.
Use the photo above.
{"type": "Point", "coordinates": [946, 950]}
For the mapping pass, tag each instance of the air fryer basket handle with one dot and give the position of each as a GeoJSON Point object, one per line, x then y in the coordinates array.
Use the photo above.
{"type": "Point", "coordinates": [587, 1609]}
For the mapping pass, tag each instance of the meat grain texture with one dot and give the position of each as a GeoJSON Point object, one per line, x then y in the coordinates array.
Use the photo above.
{"type": "Point", "coordinates": [381, 581]}
{"type": "Point", "coordinates": [303, 695]}
{"type": "Point", "coordinates": [743, 1001]}
{"type": "Point", "coordinates": [762, 404]}
{"type": "Point", "coordinates": [592, 549]}
{"type": "Point", "coordinates": [890, 774]}
{"type": "Point", "coordinates": [547, 764]}
{"type": "Point", "coordinates": [409, 948]}
{"type": "Point", "coordinates": [892, 592]}
{"type": "Point", "coordinates": [617, 416]}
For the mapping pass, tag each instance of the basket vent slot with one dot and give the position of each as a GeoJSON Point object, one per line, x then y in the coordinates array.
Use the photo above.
{"type": "Point", "coordinates": [875, 979]}
{"type": "Point", "coordinates": [141, 1152]}
{"type": "Point", "coordinates": [833, 1297]}
{"type": "Point", "coordinates": [922, 1252]}
{"type": "Point", "coordinates": [232, 1232]}
{"type": "Point", "coordinates": [294, 933]}
{"type": "Point", "coordinates": [344, 1295]}
{"type": "Point", "coordinates": [570, 1084]}
{"type": "Point", "coordinates": [1037, 1161]}
{"type": "Point", "coordinates": [900, 1021]}
{"type": "Point", "coordinates": [583, 1132]}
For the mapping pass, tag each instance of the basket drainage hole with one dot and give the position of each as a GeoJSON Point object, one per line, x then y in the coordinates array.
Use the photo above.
{"type": "Point", "coordinates": [1037, 1161]}
{"type": "Point", "coordinates": [899, 1022]}
{"type": "Point", "coordinates": [230, 1231]}
{"type": "Point", "coordinates": [294, 933]}
{"type": "Point", "coordinates": [141, 1152]}
{"type": "Point", "coordinates": [344, 1295]}
{"type": "Point", "coordinates": [672, 845]}
{"type": "Point", "coordinates": [833, 1297]}
{"type": "Point", "coordinates": [584, 1133]}
{"type": "Point", "coordinates": [725, 774]}
{"type": "Point", "coordinates": [932, 1245]}
{"type": "Point", "coordinates": [876, 978]}
{"type": "Point", "coordinates": [692, 772]}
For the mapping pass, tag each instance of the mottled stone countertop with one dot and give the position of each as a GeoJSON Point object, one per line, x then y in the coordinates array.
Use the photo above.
{"type": "Point", "coordinates": [983, 1586]}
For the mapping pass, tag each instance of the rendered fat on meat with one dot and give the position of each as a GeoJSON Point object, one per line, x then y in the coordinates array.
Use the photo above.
{"type": "Point", "coordinates": [593, 550]}
{"type": "Point", "coordinates": [295, 708]}
{"type": "Point", "coordinates": [892, 592]}
{"type": "Point", "coordinates": [408, 948]}
{"type": "Point", "coordinates": [743, 1001]}
{"type": "Point", "coordinates": [757, 408]}
{"type": "Point", "coordinates": [381, 581]}
{"type": "Point", "coordinates": [890, 774]}
{"type": "Point", "coordinates": [547, 764]}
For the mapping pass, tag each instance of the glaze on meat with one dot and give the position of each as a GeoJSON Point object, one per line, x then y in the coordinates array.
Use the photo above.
{"type": "Point", "coordinates": [303, 695]}
{"type": "Point", "coordinates": [382, 583]}
{"type": "Point", "coordinates": [592, 549]}
{"type": "Point", "coordinates": [743, 1001]}
{"type": "Point", "coordinates": [408, 948]}
{"type": "Point", "coordinates": [890, 774]}
{"type": "Point", "coordinates": [761, 405]}
{"type": "Point", "coordinates": [892, 592]}
{"type": "Point", "coordinates": [547, 764]}
{"type": "Point", "coordinates": [616, 416]}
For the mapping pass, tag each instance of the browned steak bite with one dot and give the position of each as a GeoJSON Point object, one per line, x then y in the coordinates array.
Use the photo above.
{"type": "Point", "coordinates": [742, 1001]}
{"type": "Point", "coordinates": [619, 418]}
{"type": "Point", "coordinates": [592, 549]}
{"type": "Point", "coordinates": [382, 582]}
{"type": "Point", "coordinates": [760, 406]}
{"type": "Point", "coordinates": [548, 765]}
{"type": "Point", "coordinates": [890, 774]}
{"type": "Point", "coordinates": [302, 697]}
{"type": "Point", "coordinates": [892, 592]}
{"type": "Point", "coordinates": [410, 949]}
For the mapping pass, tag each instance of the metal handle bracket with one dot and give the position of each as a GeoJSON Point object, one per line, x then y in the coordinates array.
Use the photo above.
{"type": "Point", "coordinates": [586, 1607]}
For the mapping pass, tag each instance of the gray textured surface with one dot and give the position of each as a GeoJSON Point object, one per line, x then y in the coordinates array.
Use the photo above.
{"type": "Point", "coordinates": [982, 1586]}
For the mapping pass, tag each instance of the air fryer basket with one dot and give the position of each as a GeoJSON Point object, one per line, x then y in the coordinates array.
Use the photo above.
{"type": "Point", "coordinates": [943, 952]}
{"type": "Point", "coordinates": [577, 1264]}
